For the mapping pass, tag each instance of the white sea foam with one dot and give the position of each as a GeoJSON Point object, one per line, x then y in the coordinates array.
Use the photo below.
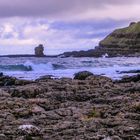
{"type": "Point", "coordinates": [24, 127]}
{"type": "Point", "coordinates": [66, 67]}
{"type": "Point", "coordinates": [40, 66]}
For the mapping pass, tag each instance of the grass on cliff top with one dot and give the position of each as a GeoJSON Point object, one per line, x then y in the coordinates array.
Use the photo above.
{"type": "Point", "coordinates": [134, 28]}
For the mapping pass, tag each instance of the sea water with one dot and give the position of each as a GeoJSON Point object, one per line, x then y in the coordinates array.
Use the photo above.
{"type": "Point", "coordinates": [33, 67]}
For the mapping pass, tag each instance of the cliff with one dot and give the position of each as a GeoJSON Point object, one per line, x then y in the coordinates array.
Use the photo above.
{"type": "Point", "coordinates": [121, 42]}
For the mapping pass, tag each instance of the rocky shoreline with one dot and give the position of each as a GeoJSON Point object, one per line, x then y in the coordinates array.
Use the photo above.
{"type": "Point", "coordinates": [94, 108]}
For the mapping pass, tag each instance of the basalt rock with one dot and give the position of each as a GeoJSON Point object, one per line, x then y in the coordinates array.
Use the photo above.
{"type": "Point", "coordinates": [82, 75]}
{"type": "Point", "coordinates": [67, 109]}
{"type": "Point", "coordinates": [39, 51]}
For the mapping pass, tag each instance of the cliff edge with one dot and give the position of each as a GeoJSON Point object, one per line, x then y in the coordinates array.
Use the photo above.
{"type": "Point", "coordinates": [122, 42]}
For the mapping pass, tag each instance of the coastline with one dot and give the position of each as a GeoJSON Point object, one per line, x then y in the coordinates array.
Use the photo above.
{"type": "Point", "coordinates": [70, 70]}
{"type": "Point", "coordinates": [27, 55]}
{"type": "Point", "coordinates": [94, 108]}
{"type": "Point", "coordinates": [70, 54]}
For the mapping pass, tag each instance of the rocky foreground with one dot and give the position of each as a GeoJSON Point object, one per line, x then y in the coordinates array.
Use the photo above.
{"type": "Point", "coordinates": [96, 108]}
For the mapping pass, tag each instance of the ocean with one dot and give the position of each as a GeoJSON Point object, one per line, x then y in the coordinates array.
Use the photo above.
{"type": "Point", "coordinates": [32, 68]}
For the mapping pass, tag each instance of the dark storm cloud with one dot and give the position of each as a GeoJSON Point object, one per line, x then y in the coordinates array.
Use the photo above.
{"type": "Point", "coordinates": [53, 8]}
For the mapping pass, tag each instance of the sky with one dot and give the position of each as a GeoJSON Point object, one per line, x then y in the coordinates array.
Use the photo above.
{"type": "Point", "coordinates": [61, 25]}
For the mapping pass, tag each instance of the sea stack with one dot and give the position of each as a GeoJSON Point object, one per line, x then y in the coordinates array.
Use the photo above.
{"type": "Point", "coordinates": [122, 42]}
{"type": "Point", "coordinates": [39, 51]}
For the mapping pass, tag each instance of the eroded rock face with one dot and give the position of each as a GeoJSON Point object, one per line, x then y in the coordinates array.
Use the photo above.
{"type": "Point", "coordinates": [39, 51]}
{"type": "Point", "coordinates": [122, 42]}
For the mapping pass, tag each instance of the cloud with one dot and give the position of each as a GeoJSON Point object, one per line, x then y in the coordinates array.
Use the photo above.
{"type": "Point", "coordinates": [68, 10]}
{"type": "Point", "coordinates": [22, 36]}
{"type": "Point", "coordinates": [117, 12]}
{"type": "Point", "coordinates": [61, 25]}
{"type": "Point", "coordinates": [18, 42]}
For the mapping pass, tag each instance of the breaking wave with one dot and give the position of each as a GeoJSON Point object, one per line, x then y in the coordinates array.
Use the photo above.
{"type": "Point", "coordinates": [20, 67]}
{"type": "Point", "coordinates": [29, 66]}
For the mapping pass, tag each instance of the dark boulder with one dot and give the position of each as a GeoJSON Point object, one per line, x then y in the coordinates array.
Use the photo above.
{"type": "Point", "coordinates": [127, 79]}
{"type": "Point", "coordinates": [1, 74]}
{"type": "Point", "coordinates": [82, 75]}
{"type": "Point", "coordinates": [44, 78]}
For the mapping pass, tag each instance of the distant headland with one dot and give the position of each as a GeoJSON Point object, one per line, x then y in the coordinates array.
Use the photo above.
{"type": "Point", "coordinates": [121, 42]}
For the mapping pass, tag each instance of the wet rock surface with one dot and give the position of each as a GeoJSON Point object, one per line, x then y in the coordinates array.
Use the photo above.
{"type": "Point", "coordinates": [96, 108]}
